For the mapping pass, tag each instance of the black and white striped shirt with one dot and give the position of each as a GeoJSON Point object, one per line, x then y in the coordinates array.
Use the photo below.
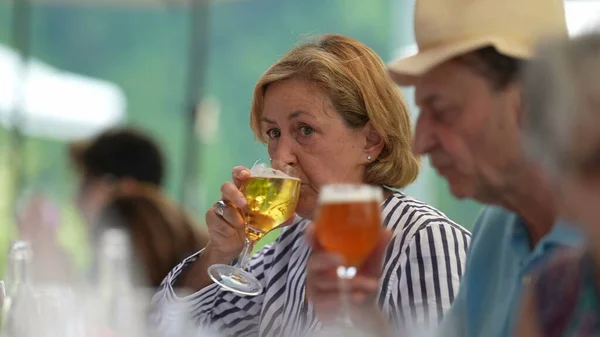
{"type": "Point", "coordinates": [422, 270]}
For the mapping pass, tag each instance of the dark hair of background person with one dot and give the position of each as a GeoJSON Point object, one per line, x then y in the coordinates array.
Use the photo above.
{"type": "Point", "coordinates": [120, 153]}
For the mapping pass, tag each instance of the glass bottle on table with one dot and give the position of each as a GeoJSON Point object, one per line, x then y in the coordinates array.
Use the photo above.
{"type": "Point", "coordinates": [272, 193]}
{"type": "Point", "coordinates": [121, 306]}
{"type": "Point", "coordinates": [18, 306]}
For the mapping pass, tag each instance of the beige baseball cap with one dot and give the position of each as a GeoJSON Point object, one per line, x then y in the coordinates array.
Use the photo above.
{"type": "Point", "coordinates": [445, 29]}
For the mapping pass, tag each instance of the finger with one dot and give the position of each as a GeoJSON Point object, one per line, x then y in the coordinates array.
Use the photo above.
{"type": "Point", "coordinates": [361, 298]}
{"type": "Point", "coordinates": [233, 216]}
{"type": "Point", "coordinates": [310, 237]}
{"type": "Point", "coordinates": [323, 285]}
{"type": "Point", "coordinates": [323, 261]}
{"type": "Point", "coordinates": [327, 307]}
{"type": "Point", "coordinates": [217, 225]}
{"type": "Point", "coordinates": [231, 193]}
{"type": "Point", "coordinates": [239, 175]}
{"type": "Point", "coordinates": [359, 285]}
{"type": "Point", "coordinates": [289, 221]}
{"type": "Point", "coordinates": [374, 263]}
{"type": "Point", "coordinates": [379, 251]}
{"type": "Point", "coordinates": [363, 284]}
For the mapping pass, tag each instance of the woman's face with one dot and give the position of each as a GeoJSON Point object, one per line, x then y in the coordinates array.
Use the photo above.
{"type": "Point", "coordinates": [305, 131]}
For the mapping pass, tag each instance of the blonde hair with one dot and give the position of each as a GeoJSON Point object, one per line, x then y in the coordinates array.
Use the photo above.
{"type": "Point", "coordinates": [359, 88]}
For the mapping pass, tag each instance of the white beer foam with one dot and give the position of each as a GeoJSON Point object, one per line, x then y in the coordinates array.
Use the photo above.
{"type": "Point", "coordinates": [342, 193]}
{"type": "Point", "coordinates": [264, 171]}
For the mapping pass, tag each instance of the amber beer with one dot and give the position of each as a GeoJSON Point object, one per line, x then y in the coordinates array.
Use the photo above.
{"type": "Point", "coordinates": [271, 201]}
{"type": "Point", "coordinates": [349, 221]}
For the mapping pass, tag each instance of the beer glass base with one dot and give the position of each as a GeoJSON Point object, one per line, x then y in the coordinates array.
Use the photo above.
{"type": "Point", "coordinates": [235, 279]}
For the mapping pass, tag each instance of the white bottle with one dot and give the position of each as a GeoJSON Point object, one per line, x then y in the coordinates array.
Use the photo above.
{"type": "Point", "coordinates": [18, 307]}
{"type": "Point", "coordinates": [121, 306]}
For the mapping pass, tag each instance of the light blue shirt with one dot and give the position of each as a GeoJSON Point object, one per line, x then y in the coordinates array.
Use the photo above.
{"type": "Point", "coordinates": [499, 258]}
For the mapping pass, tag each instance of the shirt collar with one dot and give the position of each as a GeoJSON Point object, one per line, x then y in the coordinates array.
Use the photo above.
{"type": "Point", "coordinates": [562, 234]}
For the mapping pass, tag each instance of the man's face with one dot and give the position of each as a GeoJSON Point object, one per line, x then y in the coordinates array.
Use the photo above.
{"type": "Point", "coordinates": [469, 130]}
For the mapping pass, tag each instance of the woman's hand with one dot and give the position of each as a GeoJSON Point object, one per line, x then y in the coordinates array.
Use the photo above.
{"type": "Point", "coordinates": [226, 232]}
{"type": "Point", "coordinates": [323, 286]}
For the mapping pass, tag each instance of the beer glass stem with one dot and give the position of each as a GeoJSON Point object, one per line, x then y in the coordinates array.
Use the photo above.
{"type": "Point", "coordinates": [345, 274]}
{"type": "Point", "coordinates": [242, 261]}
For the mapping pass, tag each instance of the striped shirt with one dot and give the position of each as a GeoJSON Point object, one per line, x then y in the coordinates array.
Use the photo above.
{"type": "Point", "coordinates": [422, 269]}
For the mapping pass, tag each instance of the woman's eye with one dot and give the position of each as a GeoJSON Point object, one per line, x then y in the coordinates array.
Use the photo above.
{"type": "Point", "coordinates": [306, 130]}
{"type": "Point", "coordinates": [273, 133]}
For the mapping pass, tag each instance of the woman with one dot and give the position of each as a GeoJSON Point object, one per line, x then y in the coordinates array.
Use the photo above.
{"type": "Point", "coordinates": [563, 130]}
{"type": "Point", "coordinates": [162, 234]}
{"type": "Point", "coordinates": [329, 109]}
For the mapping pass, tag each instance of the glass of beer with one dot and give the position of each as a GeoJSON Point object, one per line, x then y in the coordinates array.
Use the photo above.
{"type": "Point", "coordinates": [348, 223]}
{"type": "Point", "coordinates": [272, 193]}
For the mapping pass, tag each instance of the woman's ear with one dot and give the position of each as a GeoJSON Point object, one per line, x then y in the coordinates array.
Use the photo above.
{"type": "Point", "coordinates": [374, 143]}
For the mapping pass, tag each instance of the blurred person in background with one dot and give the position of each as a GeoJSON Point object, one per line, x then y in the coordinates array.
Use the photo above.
{"type": "Point", "coordinates": [328, 109]}
{"type": "Point", "coordinates": [119, 155]}
{"type": "Point", "coordinates": [162, 234]}
{"type": "Point", "coordinates": [467, 84]}
{"type": "Point", "coordinates": [114, 164]}
{"type": "Point", "coordinates": [562, 129]}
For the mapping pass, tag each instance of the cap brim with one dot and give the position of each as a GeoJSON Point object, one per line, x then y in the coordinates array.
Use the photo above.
{"type": "Point", "coordinates": [406, 71]}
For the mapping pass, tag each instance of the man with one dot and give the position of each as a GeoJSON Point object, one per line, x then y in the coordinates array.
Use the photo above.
{"type": "Point", "coordinates": [467, 85]}
{"type": "Point", "coordinates": [122, 155]}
